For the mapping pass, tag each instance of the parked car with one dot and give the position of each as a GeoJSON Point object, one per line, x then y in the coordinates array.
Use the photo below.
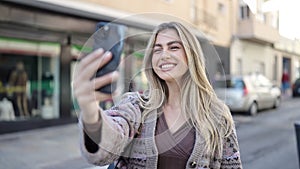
{"type": "Point", "coordinates": [248, 93]}
{"type": "Point", "coordinates": [296, 88]}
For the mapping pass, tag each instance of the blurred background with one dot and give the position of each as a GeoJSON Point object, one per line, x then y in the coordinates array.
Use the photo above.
{"type": "Point", "coordinates": [40, 41]}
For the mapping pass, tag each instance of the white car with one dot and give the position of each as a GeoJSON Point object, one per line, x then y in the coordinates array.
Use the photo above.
{"type": "Point", "coordinates": [248, 93]}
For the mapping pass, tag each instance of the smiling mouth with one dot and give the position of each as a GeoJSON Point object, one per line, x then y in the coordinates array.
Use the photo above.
{"type": "Point", "coordinates": [167, 66]}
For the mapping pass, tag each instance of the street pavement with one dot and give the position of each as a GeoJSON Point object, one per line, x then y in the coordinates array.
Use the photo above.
{"type": "Point", "coordinates": [47, 148]}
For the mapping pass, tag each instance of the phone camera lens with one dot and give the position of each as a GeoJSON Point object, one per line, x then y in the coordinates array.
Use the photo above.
{"type": "Point", "coordinates": [106, 28]}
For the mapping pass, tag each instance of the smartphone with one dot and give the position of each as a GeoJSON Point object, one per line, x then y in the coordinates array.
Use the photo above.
{"type": "Point", "coordinates": [110, 37]}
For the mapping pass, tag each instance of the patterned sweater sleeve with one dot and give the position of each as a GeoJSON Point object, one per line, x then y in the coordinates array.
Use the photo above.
{"type": "Point", "coordinates": [104, 144]}
{"type": "Point", "coordinates": [231, 155]}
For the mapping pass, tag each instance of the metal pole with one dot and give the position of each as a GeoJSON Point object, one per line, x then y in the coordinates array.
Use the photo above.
{"type": "Point", "coordinates": [297, 128]}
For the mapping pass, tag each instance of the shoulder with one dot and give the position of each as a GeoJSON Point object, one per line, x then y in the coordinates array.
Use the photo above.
{"type": "Point", "coordinates": [132, 97]}
{"type": "Point", "coordinates": [129, 98]}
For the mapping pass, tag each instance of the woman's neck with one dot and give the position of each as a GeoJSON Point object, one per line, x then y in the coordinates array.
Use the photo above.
{"type": "Point", "coordinates": [174, 98]}
{"type": "Point", "coordinates": [172, 108]}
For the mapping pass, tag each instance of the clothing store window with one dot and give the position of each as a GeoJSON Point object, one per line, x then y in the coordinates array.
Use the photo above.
{"type": "Point", "coordinates": [29, 80]}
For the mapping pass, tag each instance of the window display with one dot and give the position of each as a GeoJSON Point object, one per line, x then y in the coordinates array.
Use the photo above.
{"type": "Point", "coordinates": [17, 82]}
{"type": "Point", "coordinates": [7, 112]}
{"type": "Point", "coordinates": [28, 84]}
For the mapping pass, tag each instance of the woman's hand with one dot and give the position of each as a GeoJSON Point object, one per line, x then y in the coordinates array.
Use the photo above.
{"type": "Point", "coordinates": [84, 86]}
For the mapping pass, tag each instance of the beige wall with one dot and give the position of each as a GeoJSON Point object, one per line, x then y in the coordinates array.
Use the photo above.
{"type": "Point", "coordinates": [225, 20]}
{"type": "Point", "coordinates": [219, 21]}
{"type": "Point", "coordinates": [254, 57]}
{"type": "Point", "coordinates": [214, 22]}
{"type": "Point", "coordinates": [252, 54]}
{"type": "Point", "coordinates": [290, 49]}
{"type": "Point", "coordinates": [171, 7]}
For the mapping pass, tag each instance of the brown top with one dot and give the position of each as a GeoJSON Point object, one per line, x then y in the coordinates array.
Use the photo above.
{"type": "Point", "coordinates": [174, 149]}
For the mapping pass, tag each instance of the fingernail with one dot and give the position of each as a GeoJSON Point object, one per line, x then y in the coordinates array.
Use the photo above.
{"type": "Point", "coordinates": [99, 50]}
{"type": "Point", "coordinates": [107, 54]}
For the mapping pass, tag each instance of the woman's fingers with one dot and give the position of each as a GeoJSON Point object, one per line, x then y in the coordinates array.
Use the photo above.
{"type": "Point", "coordinates": [105, 79]}
{"type": "Point", "coordinates": [91, 63]}
{"type": "Point", "coordinates": [85, 85]}
{"type": "Point", "coordinates": [86, 60]}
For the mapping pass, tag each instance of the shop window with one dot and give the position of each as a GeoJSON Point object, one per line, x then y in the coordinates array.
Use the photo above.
{"type": "Point", "coordinates": [28, 84]}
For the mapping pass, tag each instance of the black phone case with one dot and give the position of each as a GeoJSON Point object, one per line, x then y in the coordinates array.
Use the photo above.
{"type": "Point", "coordinates": [109, 36]}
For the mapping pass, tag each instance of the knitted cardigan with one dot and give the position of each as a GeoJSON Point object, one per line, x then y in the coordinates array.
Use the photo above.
{"type": "Point", "coordinates": [115, 137]}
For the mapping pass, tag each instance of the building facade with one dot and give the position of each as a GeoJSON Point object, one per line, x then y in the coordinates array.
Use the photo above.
{"type": "Point", "coordinates": [257, 45]}
{"type": "Point", "coordinates": [46, 38]}
{"type": "Point", "coordinates": [245, 36]}
{"type": "Point", "coordinates": [43, 39]}
{"type": "Point", "coordinates": [212, 18]}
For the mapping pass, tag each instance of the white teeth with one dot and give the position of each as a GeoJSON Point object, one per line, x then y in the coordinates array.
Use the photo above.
{"type": "Point", "coordinates": [167, 66]}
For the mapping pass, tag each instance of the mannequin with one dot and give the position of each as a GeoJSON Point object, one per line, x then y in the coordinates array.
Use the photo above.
{"type": "Point", "coordinates": [7, 112]}
{"type": "Point", "coordinates": [18, 80]}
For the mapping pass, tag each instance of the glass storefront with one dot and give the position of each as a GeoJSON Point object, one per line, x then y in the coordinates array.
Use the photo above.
{"type": "Point", "coordinates": [29, 73]}
{"type": "Point", "coordinates": [30, 83]}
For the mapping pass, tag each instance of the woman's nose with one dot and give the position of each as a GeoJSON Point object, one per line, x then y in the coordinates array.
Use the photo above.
{"type": "Point", "coordinates": [166, 55]}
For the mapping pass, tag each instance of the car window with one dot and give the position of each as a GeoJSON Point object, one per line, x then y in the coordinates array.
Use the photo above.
{"type": "Point", "coordinates": [230, 83]}
{"type": "Point", "coordinates": [264, 81]}
{"type": "Point", "coordinates": [260, 81]}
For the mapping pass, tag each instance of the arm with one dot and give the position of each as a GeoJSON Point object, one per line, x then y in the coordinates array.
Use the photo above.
{"type": "Point", "coordinates": [231, 154]}
{"type": "Point", "coordinates": [113, 124]}
{"type": "Point", "coordinates": [104, 141]}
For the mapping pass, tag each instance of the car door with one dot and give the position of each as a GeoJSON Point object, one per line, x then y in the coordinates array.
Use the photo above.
{"type": "Point", "coordinates": [261, 90]}
{"type": "Point", "coordinates": [265, 94]}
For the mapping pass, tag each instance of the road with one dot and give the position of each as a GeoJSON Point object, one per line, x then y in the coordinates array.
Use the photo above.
{"type": "Point", "coordinates": [268, 140]}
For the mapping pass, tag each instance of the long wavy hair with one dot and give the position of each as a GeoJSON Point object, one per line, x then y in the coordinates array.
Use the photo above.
{"type": "Point", "coordinates": [209, 116]}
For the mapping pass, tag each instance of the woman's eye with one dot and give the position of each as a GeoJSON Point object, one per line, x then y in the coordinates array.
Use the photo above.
{"type": "Point", "coordinates": [174, 47]}
{"type": "Point", "coordinates": [156, 50]}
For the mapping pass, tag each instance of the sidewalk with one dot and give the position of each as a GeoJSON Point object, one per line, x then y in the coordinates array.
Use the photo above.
{"type": "Point", "coordinates": [48, 148]}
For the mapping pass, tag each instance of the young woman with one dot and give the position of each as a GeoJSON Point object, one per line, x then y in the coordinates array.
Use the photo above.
{"type": "Point", "coordinates": [179, 123]}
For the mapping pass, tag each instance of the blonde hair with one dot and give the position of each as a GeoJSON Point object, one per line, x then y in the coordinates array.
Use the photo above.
{"type": "Point", "coordinates": [209, 115]}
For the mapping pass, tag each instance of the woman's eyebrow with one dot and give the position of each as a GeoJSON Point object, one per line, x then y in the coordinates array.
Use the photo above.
{"type": "Point", "coordinates": [157, 45]}
{"type": "Point", "coordinates": [172, 42]}
{"type": "Point", "coordinates": [169, 43]}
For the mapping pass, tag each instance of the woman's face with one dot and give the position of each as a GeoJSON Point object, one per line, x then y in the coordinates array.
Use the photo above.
{"type": "Point", "coordinates": [169, 59]}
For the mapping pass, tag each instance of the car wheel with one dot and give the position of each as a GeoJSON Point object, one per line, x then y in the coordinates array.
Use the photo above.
{"type": "Point", "coordinates": [253, 109]}
{"type": "Point", "coordinates": [276, 103]}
